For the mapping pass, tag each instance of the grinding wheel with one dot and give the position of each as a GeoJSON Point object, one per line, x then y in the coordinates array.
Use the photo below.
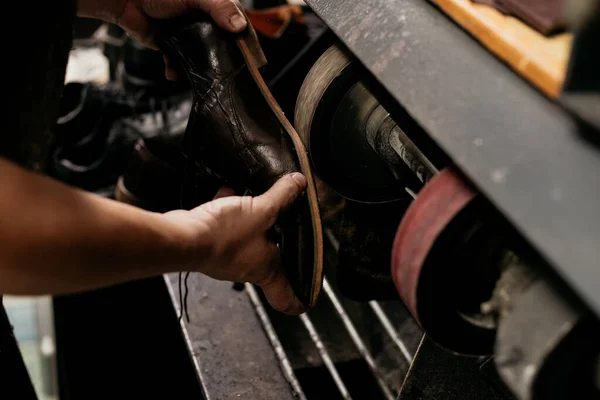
{"type": "Point", "coordinates": [424, 270]}
{"type": "Point", "coordinates": [331, 114]}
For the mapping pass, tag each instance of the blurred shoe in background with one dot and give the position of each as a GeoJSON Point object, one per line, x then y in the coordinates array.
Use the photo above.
{"type": "Point", "coordinates": [158, 177]}
{"type": "Point", "coordinates": [100, 123]}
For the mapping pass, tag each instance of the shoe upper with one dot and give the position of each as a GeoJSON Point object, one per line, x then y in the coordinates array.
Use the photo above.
{"type": "Point", "coordinates": [229, 112]}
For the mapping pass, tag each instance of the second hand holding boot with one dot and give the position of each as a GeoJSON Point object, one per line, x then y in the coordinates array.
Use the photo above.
{"type": "Point", "coordinates": [240, 135]}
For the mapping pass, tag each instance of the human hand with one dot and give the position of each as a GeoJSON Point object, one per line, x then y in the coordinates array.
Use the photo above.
{"type": "Point", "coordinates": [240, 247]}
{"type": "Point", "coordinates": [136, 16]}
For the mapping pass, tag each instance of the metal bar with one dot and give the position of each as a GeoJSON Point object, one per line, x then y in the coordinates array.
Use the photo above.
{"type": "Point", "coordinates": [177, 307]}
{"type": "Point", "coordinates": [288, 371]}
{"type": "Point", "coordinates": [226, 361]}
{"type": "Point", "coordinates": [314, 336]}
{"type": "Point", "coordinates": [411, 155]}
{"type": "Point", "coordinates": [332, 239]}
{"type": "Point", "coordinates": [410, 192]}
{"type": "Point", "coordinates": [360, 345]}
{"type": "Point", "coordinates": [385, 321]}
{"type": "Point", "coordinates": [437, 373]}
{"type": "Point", "coordinates": [387, 324]}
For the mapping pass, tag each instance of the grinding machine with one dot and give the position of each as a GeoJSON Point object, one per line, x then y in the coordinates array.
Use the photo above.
{"type": "Point", "coordinates": [494, 250]}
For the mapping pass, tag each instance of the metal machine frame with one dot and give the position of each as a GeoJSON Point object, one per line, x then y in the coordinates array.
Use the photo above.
{"type": "Point", "coordinates": [527, 154]}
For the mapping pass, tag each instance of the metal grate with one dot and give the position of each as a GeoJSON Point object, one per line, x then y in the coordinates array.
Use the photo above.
{"type": "Point", "coordinates": [272, 335]}
{"type": "Point", "coordinates": [341, 349]}
{"type": "Point", "coordinates": [383, 368]}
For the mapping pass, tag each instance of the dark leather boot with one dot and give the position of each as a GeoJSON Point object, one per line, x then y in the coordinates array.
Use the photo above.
{"type": "Point", "coordinates": [237, 133]}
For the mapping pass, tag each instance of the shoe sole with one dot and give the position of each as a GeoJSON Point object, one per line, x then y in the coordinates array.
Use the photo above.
{"type": "Point", "coordinates": [255, 59]}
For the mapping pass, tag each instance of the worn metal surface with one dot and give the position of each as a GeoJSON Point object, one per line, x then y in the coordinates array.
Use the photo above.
{"type": "Point", "coordinates": [230, 350]}
{"type": "Point", "coordinates": [546, 355]}
{"type": "Point", "coordinates": [284, 361]}
{"type": "Point", "coordinates": [521, 150]}
{"type": "Point", "coordinates": [241, 346]}
{"type": "Point", "coordinates": [437, 374]}
{"type": "Point", "coordinates": [410, 154]}
{"type": "Point", "coordinates": [331, 123]}
{"type": "Point", "coordinates": [515, 278]}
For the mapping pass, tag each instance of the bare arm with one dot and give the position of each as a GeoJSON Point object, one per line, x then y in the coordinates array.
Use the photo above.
{"type": "Point", "coordinates": [55, 239]}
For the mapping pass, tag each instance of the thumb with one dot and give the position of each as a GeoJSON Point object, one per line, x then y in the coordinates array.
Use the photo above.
{"type": "Point", "coordinates": [281, 195]}
{"type": "Point", "coordinates": [226, 13]}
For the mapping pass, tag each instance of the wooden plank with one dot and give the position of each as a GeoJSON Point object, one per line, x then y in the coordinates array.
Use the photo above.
{"type": "Point", "coordinates": [539, 59]}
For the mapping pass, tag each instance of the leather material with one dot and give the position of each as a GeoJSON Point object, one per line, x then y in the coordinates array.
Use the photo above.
{"type": "Point", "coordinates": [253, 150]}
{"type": "Point", "coordinates": [545, 16]}
{"type": "Point", "coordinates": [236, 135]}
{"type": "Point", "coordinates": [497, 4]}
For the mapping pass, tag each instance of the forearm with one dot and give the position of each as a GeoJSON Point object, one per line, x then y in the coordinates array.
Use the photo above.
{"type": "Point", "coordinates": [55, 239]}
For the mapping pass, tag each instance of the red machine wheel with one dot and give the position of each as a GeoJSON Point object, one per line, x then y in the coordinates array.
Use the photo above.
{"type": "Point", "coordinates": [444, 196]}
{"type": "Point", "coordinates": [436, 264]}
